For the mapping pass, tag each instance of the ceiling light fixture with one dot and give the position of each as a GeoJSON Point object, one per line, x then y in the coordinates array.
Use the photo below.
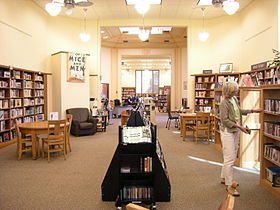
{"type": "Point", "coordinates": [230, 6]}
{"type": "Point", "coordinates": [53, 8]}
{"type": "Point", "coordinates": [142, 6]}
{"type": "Point", "coordinates": [144, 34]}
{"type": "Point", "coordinates": [203, 36]}
{"type": "Point", "coordinates": [85, 36]}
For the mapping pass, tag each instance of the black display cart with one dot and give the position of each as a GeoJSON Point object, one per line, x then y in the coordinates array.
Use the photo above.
{"type": "Point", "coordinates": [137, 173]}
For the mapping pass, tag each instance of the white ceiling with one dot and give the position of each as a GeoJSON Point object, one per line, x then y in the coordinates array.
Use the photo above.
{"type": "Point", "coordinates": [169, 9]}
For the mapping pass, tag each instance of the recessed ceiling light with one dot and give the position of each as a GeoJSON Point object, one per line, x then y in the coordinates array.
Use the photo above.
{"type": "Point", "coordinates": [102, 31]}
{"type": "Point", "coordinates": [105, 37]}
{"type": "Point", "coordinates": [133, 2]}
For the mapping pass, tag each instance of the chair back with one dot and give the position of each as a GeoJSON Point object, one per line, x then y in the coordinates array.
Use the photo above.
{"type": "Point", "coordinates": [79, 114]}
{"type": "Point", "coordinates": [56, 129]}
{"type": "Point", "coordinates": [69, 118]}
{"type": "Point", "coordinates": [169, 113]}
{"type": "Point", "coordinates": [202, 119]}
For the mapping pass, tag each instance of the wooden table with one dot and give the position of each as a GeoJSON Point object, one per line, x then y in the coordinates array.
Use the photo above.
{"type": "Point", "coordinates": [35, 128]}
{"type": "Point", "coordinates": [184, 117]}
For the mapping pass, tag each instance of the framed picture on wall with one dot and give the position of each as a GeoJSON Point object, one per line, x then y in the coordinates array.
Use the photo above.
{"type": "Point", "coordinates": [76, 67]}
{"type": "Point", "coordinates": [226, 67]}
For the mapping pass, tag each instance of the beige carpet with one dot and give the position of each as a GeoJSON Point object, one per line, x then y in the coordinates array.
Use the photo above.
{"type": "Point", "coordinates": [75, 183]}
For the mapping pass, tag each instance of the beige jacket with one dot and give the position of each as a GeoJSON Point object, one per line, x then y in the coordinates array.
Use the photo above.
{"type": "Point", "coordinates": [227, 115]}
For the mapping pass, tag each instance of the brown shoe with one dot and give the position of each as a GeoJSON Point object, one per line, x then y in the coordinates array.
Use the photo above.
{"type": "Point", "coordinates": [223, 181]}
{"type": "Point", "coordinates": [231, 190]}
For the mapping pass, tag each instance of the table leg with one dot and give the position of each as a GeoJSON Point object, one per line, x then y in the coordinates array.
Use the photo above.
{"type": "Point", "coordinates": [184, 128]}
{"type": "Point", "coordinates": [181, 126]}
{"type": "Point", "coordinates": [34, 149]}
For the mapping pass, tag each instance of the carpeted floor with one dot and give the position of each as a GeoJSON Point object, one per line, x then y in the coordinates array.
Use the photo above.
{"type": "Point", "coordinates": [193, 169]}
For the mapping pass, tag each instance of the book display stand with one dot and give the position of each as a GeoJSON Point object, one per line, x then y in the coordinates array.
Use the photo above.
{"type": "Point", "coordinates": [137, 172]}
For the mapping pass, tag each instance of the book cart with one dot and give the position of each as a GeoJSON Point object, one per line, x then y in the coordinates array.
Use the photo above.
{"type": "Point", "coordinates": [137, 172]}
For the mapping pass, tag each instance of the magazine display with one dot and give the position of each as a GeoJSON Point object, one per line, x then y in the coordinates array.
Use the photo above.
{"type": "Point", "coordinates": [141, 134]}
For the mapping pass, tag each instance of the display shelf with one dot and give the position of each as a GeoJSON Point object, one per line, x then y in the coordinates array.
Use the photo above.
{"type": "Point", "coordinates": [17, 86]}
{"type": "Point", "coordinates": [270, 136]}
{"type": "Point", "coordinates": [137, 172]}
{"type": "Point", "coordinates": [163, 102]}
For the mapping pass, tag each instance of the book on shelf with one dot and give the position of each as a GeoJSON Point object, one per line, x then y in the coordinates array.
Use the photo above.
{"type": "Point", "coordinates": [139, 134]}
{"type": "Point", "coordinates": [272, 105]}
{"type": "Point", "coordinates": [273, 175]}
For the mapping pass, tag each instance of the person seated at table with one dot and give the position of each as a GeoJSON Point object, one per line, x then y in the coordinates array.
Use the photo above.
{"type": "Point", "coordinates": [132, 100]}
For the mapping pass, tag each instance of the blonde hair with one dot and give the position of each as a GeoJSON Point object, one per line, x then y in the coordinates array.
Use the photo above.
{"type": "Point", "coordinates": [229, 88]}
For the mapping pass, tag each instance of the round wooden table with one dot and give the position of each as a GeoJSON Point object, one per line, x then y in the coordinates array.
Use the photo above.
{"type": "Point", "coordinates": [35, 128]}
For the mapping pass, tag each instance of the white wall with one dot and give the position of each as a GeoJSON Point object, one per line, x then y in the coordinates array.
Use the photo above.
{"type": "Point", "coordinates": [105, 66]}
{"type": "Point", "coordinates": [29, 36]}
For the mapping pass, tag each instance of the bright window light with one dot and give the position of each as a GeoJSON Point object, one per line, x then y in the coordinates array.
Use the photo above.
{"type": "Point", "coordinates": [133, 2]}
{"type": "Point", "coordinates": [204, 3]}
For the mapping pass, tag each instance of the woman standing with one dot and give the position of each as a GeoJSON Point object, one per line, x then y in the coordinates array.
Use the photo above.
{"type": "Point", "coordinates": [231, 125]}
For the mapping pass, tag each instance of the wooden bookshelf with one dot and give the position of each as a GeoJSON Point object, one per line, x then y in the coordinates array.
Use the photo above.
{"type": "Point", "coordinates": [270, 139]}
{"type": "Point", "coordinates": [266, 76]}
{"type": "Point", "coordinates": [23, 98]}
{"type": "Point", "coordinates": [163, 100]}
{"type": "Point", "coordinates": [126, 92]}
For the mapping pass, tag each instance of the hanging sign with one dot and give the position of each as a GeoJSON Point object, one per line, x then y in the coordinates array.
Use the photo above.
{"type": "Point", "coordinates": [76, 67]}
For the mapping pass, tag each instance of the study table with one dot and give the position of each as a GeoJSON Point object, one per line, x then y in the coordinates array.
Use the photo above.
{"type": "Point", "coordinates": [35, 128]}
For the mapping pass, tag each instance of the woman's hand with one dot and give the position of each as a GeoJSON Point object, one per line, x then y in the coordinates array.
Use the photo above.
{"type": "Point", "coordinates": [243, 129]}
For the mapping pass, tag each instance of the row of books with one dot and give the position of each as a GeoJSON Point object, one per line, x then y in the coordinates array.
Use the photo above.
{"type": "Point", "coordinates": [201, 86]}
{"type": "Point", "coordinates": [272, 128]}
{"type": "Point", "coordinates": [205, 79]}
{"type": "Point", "coordinates": [145, 165]}
{"type": "Point", "coordinates": [15, 84]}
{"type": "Point", "coordinates": [202, 101]}
{"type": "Point", "coordinates": [4, 84]}
{"type": "Point", "coordinates": [200, 93]}
{"type": "Point", "coordinates": [272, 152]}
{"type": "Point", "coordinates": [4, 73]}
{"type": "Point", "coordinates": [272, 105]}
{"type": "Point", "coordinates": [39, 85]}
{"type": "Point", "coordinates": [5, 137]}
{"type": "Point", "coordinates": [203, 108]}
{"type": "Point", "coordinates": [4, 104]}
{"type": "Point", "coordinates": [4, 114]}
{"type": "Point", "coordinates": [4, 125]}
{"type": "Point", "coordinates": [135, 193]}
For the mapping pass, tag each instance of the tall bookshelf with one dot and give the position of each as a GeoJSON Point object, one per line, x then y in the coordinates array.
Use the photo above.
{"type": "Point", "coordinates": [137, 172]}
{"type": "Point", "coordinates": [126, 92]}
{"type": "Point", "coordinates": [270, 136]}
{"type": "Point", "coordinates": [204, 91]}
{"type": "Point", "coordinates": [204, 86]}
{"type": "Point", "coordinates": [163, 101]}
{"type": "Point", "coordinates": [23, 98]}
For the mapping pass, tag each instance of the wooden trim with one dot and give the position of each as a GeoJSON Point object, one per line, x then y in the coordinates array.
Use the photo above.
{"type": "Point", "coordinates": [7, 143]}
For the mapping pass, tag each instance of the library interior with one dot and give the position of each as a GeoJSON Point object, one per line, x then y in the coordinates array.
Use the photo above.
{"type": "Point", "coordinates": [140, 104]}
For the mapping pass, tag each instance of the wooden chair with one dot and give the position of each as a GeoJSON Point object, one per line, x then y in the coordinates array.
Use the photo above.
{"type": "Point", "coordinates": [202, 125]}
{"type": "Point", "coordinates": [56, 139]}
{"type": "Point", "coordinates": [190, 123]}
{"type": "Point", "coordinates": [228, 202]}
{"type": "Point", "coordinates": [170, 118]}
{"type": "Point", "coordinates": [24, 143]}
{"type": "Point", "coordinates": [69, 119]}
